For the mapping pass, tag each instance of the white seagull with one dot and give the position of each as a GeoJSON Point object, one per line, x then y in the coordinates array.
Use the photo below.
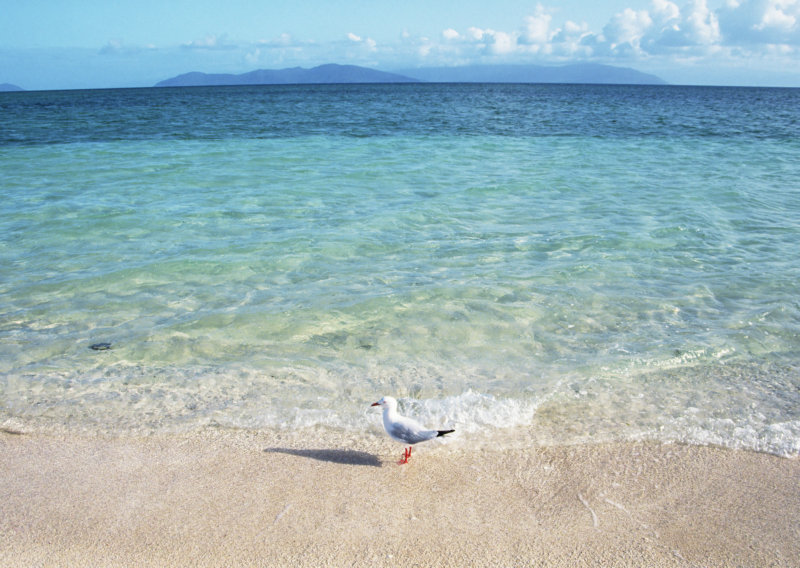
{"type": "Point", "coordinates": [403, 429]}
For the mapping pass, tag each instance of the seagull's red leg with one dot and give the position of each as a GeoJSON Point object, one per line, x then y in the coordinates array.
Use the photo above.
{"type": "Point", "coordinates": [406, 455]}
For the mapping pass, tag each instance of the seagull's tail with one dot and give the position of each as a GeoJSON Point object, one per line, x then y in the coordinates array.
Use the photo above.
{"type": "Point", "coordinates": [443, 432]}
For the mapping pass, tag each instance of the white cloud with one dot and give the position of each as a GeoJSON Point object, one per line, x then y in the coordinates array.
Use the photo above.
{"type": "Point", "coordinates": [662, 32]}
{"type": "Point", "coordinates": [450, 34]}
{"type": "Point", "coordinates": [572, 40]}
{"type": "Point", "coordinates": [368, 44]}
{"type": "Point", "coordinates": [695, 28]}
{"type": "Point", "coordinates": [500, 43]}
{"type": "Point", "coordinates": [665, 11]}
{"type": "Point", "coordinates": [778, 17]}
{"type": "Point", "coordinates": [475, 33]}
{"type": "Point", "coordinates": [537, 27]}
{"type": "Point", "coordinates": [627, 28]}
{"type": "Point", "coordinates": [768, 22]}
{"type": "Point", "coordinates": [702, 26]}
{"type": "Point", "coordinates": [478, 41]}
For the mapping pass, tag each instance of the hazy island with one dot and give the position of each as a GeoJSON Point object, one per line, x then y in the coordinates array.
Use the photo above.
{"type": "Point", "coordinates": [582, 73]}
{"type": "Point", "coordinates": [589, 73]}
{"type": "Point", "coordinates": [330, 73]}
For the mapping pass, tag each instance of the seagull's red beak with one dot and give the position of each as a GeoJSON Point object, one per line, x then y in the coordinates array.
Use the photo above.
{"type": "Point", "coordinates": [375, 404]}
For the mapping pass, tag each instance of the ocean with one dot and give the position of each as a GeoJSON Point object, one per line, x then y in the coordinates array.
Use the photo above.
{"type": "Point", "coordinates": [531, 264]}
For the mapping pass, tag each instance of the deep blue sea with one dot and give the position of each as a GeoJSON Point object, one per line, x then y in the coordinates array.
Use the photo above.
{"type": "Point", "coordinates": [565, 263]}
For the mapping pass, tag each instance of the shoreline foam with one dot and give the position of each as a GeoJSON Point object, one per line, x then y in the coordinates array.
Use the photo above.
{"type": "Point", "coordinates": [232, 497]}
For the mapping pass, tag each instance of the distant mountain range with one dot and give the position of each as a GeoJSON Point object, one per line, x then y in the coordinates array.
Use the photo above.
{"type": "Point", "coordinates": [8, 87]}
{"type": "Point", "coordinates": [332, 73]}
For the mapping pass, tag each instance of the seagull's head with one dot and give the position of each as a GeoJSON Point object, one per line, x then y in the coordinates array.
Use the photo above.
{"type": "Point", "coordinates": [386, 402]}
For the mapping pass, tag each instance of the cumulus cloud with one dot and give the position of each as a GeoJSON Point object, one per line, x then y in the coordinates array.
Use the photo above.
{"type": "Point", "coordinates": [627, 28]}
{"type": "Point", "coordinates": [661, 29]}
{"type": "Point", "coordinates": [494, 42]}
{"type": "Point", "coordinates": [572, 40]}
{"type": "Point", "coordinates": [665, 11]}
{"type": "Point", "coordinates": [694, 28]}
{"type": "Point", "coordinates": [780, 16]}
{"type": "Point", "coordinates": [701, 25]}
{"type": "Point", "coordinates": [476, 34]}
{"type": "Point", "coordinates": [535, 37]}
{"type": "Point", "coordinates": [537, 27]}
{"type": "Point", "coordinates": [477, 41]}
{"type": "Point", "coordinates": [501, 43]}
{"type": "Point", "coordinates": [450, 34]}
{"type": "Point", "coordinates": [737, 23]}
{"type": "Point", "coordinates": [761, 22]}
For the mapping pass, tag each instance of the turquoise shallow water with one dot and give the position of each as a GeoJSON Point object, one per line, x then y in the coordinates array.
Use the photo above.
{"type": "Point", "coordinates": [578, 263]}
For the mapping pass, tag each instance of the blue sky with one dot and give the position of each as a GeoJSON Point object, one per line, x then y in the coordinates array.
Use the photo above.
{"type": "Point", "coordinates": [65, 44]}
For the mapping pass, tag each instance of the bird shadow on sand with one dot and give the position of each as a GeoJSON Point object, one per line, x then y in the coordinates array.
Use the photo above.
{"type": "Point", "coordinates": [346, 457]}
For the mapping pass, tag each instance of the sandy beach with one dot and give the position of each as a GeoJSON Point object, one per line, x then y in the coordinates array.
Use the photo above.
{"type": "Point", "coordinates": [217, 498]}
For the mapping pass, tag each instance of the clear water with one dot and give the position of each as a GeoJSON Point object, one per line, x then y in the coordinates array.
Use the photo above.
{"type": "Point", "coordinates": [579, 263]}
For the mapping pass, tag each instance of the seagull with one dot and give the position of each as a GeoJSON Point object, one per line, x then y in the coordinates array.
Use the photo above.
{"type": "Point", "coordinates": [405, 430]}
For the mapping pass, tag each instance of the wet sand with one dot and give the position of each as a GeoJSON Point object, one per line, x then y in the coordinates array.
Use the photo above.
{"type": "Point", "coordinates": [237, 498]}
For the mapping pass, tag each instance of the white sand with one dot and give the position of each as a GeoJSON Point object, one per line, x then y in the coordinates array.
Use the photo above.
{"type": "Point", "coordinates": [231, 498]}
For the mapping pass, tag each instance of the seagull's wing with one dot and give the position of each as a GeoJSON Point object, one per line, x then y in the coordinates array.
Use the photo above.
{"type": "Point", "coordinates": [409, 431]}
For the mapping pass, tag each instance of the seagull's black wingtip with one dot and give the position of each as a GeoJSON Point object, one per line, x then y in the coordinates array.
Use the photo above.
{"type": "Point", "coordinates": [443, 432]}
